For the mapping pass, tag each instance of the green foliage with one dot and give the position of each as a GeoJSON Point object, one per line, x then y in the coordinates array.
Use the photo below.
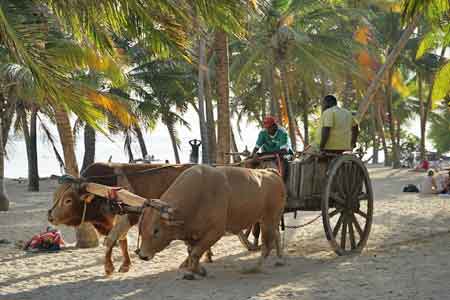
{"type": "Point", "coordinates": [440, 130]}
{"type": "Point", "coordinates": [442, 83]}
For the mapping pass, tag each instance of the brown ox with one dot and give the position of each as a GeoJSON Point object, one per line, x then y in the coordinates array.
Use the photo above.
{"type": "Point", "coordinates": [210, 202]}
{"type": "Point", "coordinates": [145, 180]}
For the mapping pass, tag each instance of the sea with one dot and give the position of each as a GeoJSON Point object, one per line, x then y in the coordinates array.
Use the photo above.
{"type": "Point", "coordinates": [157, 141]}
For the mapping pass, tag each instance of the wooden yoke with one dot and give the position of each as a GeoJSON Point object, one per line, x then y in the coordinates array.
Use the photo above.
{"type": "Point", "coordinates": [128, 198]}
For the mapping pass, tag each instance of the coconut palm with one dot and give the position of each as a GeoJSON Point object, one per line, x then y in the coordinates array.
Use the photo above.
{"type": "Point", "coordinates": [289, 38]}
{"type": "Point", "coordinates": [162, 86]}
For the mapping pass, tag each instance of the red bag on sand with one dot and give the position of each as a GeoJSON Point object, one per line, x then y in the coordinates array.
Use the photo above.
{"type": "Point", "coordinates": [50, 240]}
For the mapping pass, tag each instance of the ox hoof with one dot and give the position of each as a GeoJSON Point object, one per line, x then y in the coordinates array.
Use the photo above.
{"type": "Point", "coordinates": [207, 259]}
{"type": "Point", "coordinates": [189, 276]}
{"type": "Point", "coordinates": [201, 271]}
{"type": "Point", "coordinates": [279, 262]}
{"type": "Point", "coordinates": [124, 268]}
{"type": "Point", "coordinates": [109, 270]}
{"type": "Point", "coordinates": [252, 270]}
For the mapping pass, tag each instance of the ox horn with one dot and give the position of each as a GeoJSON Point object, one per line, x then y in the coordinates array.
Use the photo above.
{"type": "Point", "coordinates": [75, 182]}
{"type": "Point", "coordinates": [166, 212]}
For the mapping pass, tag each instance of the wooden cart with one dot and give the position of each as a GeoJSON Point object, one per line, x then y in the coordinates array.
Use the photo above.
{"type": "Point", "coordinates": [337, 185]}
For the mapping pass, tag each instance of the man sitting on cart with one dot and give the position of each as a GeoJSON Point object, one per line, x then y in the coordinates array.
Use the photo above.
{"type": "Point", "coordinates": [273, 139]}
{"type": "Point", "coordinates": [338, 131]}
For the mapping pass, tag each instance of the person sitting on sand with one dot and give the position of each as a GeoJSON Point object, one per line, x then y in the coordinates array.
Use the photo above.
{"type": "Point", "coordinates": [431, 184]}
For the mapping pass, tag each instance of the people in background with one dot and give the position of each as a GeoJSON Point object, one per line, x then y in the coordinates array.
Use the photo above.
{"type": "Point", "coordinates": [431, 184]}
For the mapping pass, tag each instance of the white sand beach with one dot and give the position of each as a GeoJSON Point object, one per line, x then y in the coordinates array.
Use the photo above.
{"type": "Point", "coordinates": [407, 257]}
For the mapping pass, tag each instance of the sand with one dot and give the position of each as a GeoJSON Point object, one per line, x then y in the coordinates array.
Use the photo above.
{"type": "Point", "coordinates": [407, 257]}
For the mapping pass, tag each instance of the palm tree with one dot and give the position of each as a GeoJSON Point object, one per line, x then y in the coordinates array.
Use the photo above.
{"type": "Point", "coordinates": [161, 86]}
{"type": "Point", "coordinates": [223, 109]}
{"type": "Point", "coordinates": [4, 201]}
{"type": "Point", "coordinates": [287, 39]}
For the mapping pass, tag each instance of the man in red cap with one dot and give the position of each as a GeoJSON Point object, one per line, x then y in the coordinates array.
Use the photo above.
{"type": "Point", "coordinates": [273, 138]}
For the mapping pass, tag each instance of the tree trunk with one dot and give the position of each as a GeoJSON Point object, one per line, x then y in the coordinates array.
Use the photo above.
{"type": "Point", "coordinates": [236, 158]}
{"type": "Point", "coordinates": [390, 60]}
{"type": "Point", "coordinates": [348, 94]}
{"type": "Point", "coordinates": [305, 122]}
{"type": "Point", "coordinates": [202, 66]}
{"type": "Point", "coordinates": [4, 201]}
{"type": "Point", "coordinates": [373, 127]}
{"type": "Point", "coordinates": [29, 133]}
{"type": "Point", "coordinates": [67, 141]}
{"type": "Point", "coordinates": [141, 141]}
{"type": "Point", "coordinates": [128, 147]}
{"type": "Point", "coordinates": [290, 113]}
{"type": "Point", "coordinates": [86, 235]}
{"type": "Point", "coordinates": [274, 96]}
{"type": "Point", "coordinates": [173, 139]}
{"type": "Point", "coordinates": [33, 171]}
{"type": "Point", "coordinates": [89, 146]}
{"type": "Point", "coordinates": [391, 121]}
{"type": "Point", "coordinates": [423, 123]}
{"type": "Point", "coordinates": [380, 123]}
{"type": "Point", "coordinates": [210, 123]}
{"type": "Point", "coordinates": [223, 101]}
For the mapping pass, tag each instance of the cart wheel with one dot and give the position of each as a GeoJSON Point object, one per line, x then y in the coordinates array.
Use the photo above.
{"type": "Point", "coordinates": [347, 205]}
{"type": "Point", "coordinates": [244, 237]}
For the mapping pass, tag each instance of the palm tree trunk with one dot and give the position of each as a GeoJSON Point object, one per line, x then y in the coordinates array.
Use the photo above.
{"type": "Point", "coordinates": [390, 60]}
{"type": "Point", "coordinates": [141, 140]}
{"type": "Point", "coordinates": [223, 101]}
{"type": "Point", "coordinates": [86, 234]}
{"type": "Point", "coordinates": [380, 123]}
{"type": "Point", "coordinates": [89, 147]}
{"type": "Point", "coordinates": [128, 146]}
{"type": "Point", "coordinates": [423, 123]}
{"type": "Point", "coordinates": [373, 129]}
{"type": "Point", "coordinates": [348, 94]}
{"type": "Point", "coordinates": [305, 120]}
{"type": "Point", "coordinates": [67, 141]}
{"type": "Point", "coordinates": [274, 103]}
{"type": "Point", "coordinates": [201, 99]}
{"type": "Point", "coordinates": [290, 113]}
{"type": "Point", "coordinates": [391, 121]}
{"type": "Point", "coordinates": [210, 123]}
{"type": "Point", "coordinates": [236, 158]}
{"type": "Point", "coordinates": [33, 172]}
{"type": "Point", "coordinates": [173, 139]}
{"type": "Point", "coordinates": [4, 201]}
{"type": "Point", "coordinates": [33, 177]}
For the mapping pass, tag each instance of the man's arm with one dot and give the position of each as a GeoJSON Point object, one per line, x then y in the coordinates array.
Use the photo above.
{"type": "Point", "coordinates": [324, 137]}
{"type": "Point", "coordinates": [355, 133]}
{"type": "Point", "coordinates": [259, 143]}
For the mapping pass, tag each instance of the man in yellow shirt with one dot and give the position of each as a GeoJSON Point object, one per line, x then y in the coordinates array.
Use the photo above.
{"type": "Point", "coordinates": [338, 131]}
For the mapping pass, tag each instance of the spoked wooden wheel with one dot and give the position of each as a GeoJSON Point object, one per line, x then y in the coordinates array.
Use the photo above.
{"type": "Point", "coordinates": [347, 205]}
{"type": "Point", "coordinates": [244, 237]}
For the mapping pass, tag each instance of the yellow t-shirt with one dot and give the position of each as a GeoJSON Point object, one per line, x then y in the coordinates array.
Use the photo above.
{"type": "Point", "coordinates": [340, 121]}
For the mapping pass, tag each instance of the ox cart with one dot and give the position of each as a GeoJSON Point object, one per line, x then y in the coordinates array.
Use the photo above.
{"type": "Point", "coordinates": [336, 185]}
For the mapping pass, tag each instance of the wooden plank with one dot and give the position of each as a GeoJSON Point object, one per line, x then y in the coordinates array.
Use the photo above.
{"type": "Point", "coordinates": [125, 196]}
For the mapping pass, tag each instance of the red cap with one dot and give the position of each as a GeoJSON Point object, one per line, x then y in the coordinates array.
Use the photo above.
{"type": "Point", "coordinates": [269, 121]}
